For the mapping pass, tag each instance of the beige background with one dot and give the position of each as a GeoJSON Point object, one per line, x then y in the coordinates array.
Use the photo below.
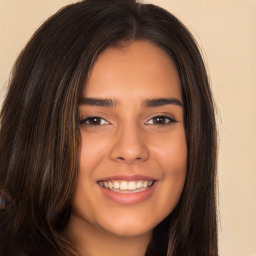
{"type": "Point", "coordinates": [226, 32]}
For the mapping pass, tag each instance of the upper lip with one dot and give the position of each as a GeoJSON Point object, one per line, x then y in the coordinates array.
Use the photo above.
{"type": "Point", "coordinates": [127, 177]}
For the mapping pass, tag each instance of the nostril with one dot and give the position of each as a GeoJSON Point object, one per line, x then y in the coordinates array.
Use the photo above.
{"type": "Point", "coordinates": [125, 151]}
{"type": "Point", "coordinates": [124, 159]}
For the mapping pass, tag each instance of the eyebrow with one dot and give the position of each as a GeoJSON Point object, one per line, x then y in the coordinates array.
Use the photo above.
{"type": "Point", "coordinates": [161, 102]}
{"type": "Point", "coordinates": [97, 102]}
{"type": "Point", "coordinates": [146, 103]}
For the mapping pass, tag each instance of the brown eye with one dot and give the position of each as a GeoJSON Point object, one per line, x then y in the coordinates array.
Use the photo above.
{"type": "Point", "coordinates": [94, 121]}
{"type": "Point", "coordinates": [161, 120]}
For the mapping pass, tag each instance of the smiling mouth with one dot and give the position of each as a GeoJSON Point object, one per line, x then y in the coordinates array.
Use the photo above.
{"type": "Point", "coordinates": [127, 186]}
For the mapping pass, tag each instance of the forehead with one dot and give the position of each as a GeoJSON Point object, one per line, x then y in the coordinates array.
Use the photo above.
{"type": "Point", "coordinates": [140, 65]}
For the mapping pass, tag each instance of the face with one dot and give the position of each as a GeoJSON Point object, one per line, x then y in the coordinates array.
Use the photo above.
{"type": "Point", "coordinates": [133, 151]}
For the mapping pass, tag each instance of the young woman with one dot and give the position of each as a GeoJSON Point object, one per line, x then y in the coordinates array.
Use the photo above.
{"type": "Point", "coordinates": [108, 138]}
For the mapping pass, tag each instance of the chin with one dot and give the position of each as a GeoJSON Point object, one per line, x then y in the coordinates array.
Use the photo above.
{"type": "Point", "coordinates": [130, 224]}
{"type": "Point", "coordinates": [125, 229]}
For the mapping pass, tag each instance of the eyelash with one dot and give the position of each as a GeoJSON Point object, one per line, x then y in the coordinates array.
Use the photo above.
{"type": "Point", "coordinates": [167, 120]}
{"type": "Point", "coordinates": [94, 121]}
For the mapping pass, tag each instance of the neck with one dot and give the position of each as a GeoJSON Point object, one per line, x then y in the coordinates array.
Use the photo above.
{"type": "Point", "coordinates": [89, 240]}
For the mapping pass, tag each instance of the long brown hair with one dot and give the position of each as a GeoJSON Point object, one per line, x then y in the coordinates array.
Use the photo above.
{"type": "Point", "coordinates": [39, 134]}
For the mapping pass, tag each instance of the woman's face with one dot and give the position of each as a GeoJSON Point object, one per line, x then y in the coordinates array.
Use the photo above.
{"type": "Point", "coordinates": [133, 154]}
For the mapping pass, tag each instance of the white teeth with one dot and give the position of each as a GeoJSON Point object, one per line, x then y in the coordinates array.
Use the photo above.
{"type": "Point", "coordinates": [110, 185]}
{"type": "Point", "coordinates": [116, 184]}
{"type": "Point", "coordinates": [140, 184]}
{"type": "Point", "coordinates": [145, 184]}
{"type": "Point", "coordinates": [122, 186]}
{"type": "Point", "coordinates": [132, 185]}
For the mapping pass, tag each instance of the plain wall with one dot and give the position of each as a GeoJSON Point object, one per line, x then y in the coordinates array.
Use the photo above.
{"type": "Point", "coordinates": [225, 31]}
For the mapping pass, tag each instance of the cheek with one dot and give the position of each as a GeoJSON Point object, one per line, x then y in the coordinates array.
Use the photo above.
{"type": "Point", "coordinates": [171, 153]}
{"type": "Point", "coordinates": [93, 150]}
{"type": "Point", "coordinates": [172, 159]}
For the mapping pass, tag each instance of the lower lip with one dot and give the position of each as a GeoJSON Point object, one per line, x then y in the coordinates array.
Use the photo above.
{"type": "Point", "coordinates": [129, 198]}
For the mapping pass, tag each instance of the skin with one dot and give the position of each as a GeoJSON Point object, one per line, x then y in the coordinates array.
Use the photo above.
{"type": "Point", "coordinates": [128, 139]}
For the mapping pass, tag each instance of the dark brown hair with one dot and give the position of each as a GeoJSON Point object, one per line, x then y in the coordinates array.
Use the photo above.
{"type": "Point", "coordinates": [39, 134]}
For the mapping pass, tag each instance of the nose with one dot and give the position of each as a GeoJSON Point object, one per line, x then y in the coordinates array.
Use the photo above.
{"type": "Point", "coordinates": [129, 145]}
